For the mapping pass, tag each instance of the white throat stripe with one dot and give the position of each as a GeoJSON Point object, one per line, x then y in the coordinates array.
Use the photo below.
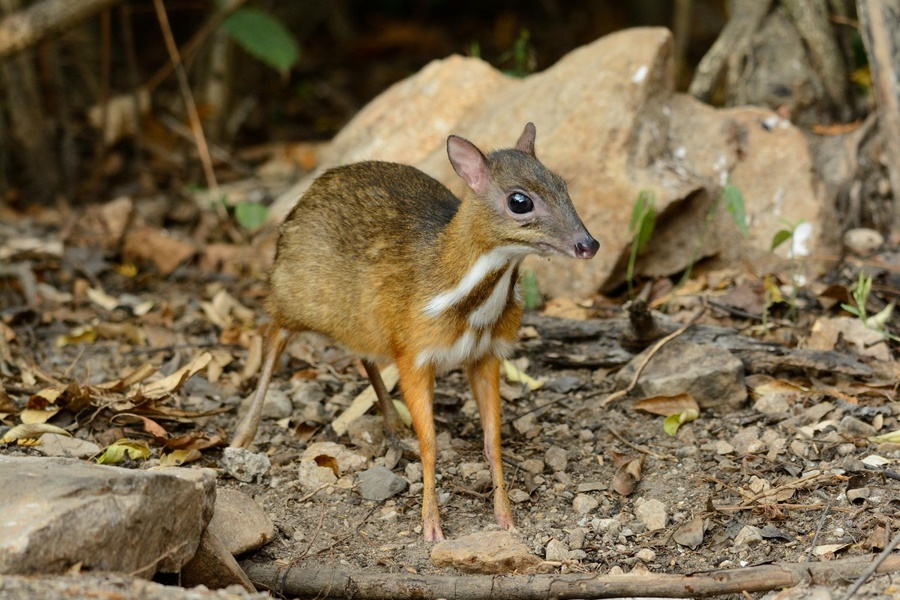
{"type": "Point", "coordinates": [487, 263]}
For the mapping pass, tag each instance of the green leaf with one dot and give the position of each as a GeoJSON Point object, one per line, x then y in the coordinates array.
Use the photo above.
{"type": "Point", "coordinates": [531, 293]}
{"type": "Point", "coordinates": [648, 224]}
{"type": "Point", "coordinates": [673, 422]}
{"type": "Point", "coordinates": [781, 237]}
{"type": "Point", "coordinates": [263, 37]}
{"type": "Point", "coordinates": [850, 309]}
{"type": "Point", "coordinates": [734, 202]}
{"type": "Point", "coordinates": [251, 215]}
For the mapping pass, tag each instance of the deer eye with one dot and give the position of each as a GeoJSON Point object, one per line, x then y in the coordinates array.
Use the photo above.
{"type": "Point", "coordinates": [519, 203]}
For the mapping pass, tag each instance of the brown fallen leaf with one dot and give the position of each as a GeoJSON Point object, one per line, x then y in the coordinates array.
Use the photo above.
{"type": "Point", "coordinates": [176, 458]}
{"type": "Point", "coordinates": [149, 245]}
{"type": "Point", "coordinates": [628, 476]}
{"type": "Point", "coordinates": [172, 383]}
{"type": "Point", "coordinates": [690, 534]}
{"type": "Point", "coordinates": [31, 431]}
{"type": "Point", "coordinates": [667, 405]}
{"type": "Point", "coordinates": [566, 308]}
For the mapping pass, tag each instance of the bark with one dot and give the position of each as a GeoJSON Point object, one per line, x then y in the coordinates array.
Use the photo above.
{"type": "Point", "coordinates": [321, 583]}
{"type": "Point", "coordinates": [27, 27]}
{"type": "Point", "coordinates": [879, 23]}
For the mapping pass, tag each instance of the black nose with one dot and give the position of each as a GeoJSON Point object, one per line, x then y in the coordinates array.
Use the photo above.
{"type": "Point", "coordinates": [587, 248]}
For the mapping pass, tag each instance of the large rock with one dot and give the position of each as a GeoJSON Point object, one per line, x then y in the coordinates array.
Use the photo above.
{"type": "Point", "coordinates": [61, 512]}
{"type": "Point", "coordinates": [609, 122]}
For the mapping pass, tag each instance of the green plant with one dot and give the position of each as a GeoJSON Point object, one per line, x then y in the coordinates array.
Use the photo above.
{"type": "Point", "coordinates": [780, 237]}
{"type": "Point", "coordinates": [264, 37]}
{"type": "Point", "coordinates": [734, 203]}
{"type": "Point", "coordinates": [531, 293]}
{"type": "Point", "coordinates": [643, 221]}
{"type": "Point", "coordinates": [520, 54]}
{"type": "Point", "coordinates": [251, 215]}
{"type": "Point", "coordinates": [860, 293]}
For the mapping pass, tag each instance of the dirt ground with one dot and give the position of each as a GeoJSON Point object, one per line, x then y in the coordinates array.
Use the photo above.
{"type": "Point", "coordinates": [792, 475]}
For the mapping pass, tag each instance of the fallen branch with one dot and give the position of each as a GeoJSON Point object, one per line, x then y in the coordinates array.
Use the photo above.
{"type": "Point", "coordinates": [321, 583]}
{"type": "Point", "coordinates": [29, 26]}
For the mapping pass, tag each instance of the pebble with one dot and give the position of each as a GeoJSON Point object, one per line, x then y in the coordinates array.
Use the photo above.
{"type": "Point", "coordinates": [853, 426]}
{"type": "Point", "coordinates": [576, 538]}
{"type": "Point", "coordinates": [524, 423]}
{"type": "Point", "coordinates": [308, 393]}
{"type": "Point", "coordinates": [518, 496]}
{"type": "Point", "coordinates": [863, 241]}
{"type": "Point", "coordinates": [722, 447]}
{"type": "Point", "coordinates": [533, 466]}
{"type": "Point", "coordinates": [469, 469]}
{"type": "Point", "coordinates": [652, 513]}
{"type": "Point", "coordinates": [772, 404]}
{"type": "Point", "coordinates": [277, 405]}
{"type": "Point", "coordinates": [245, 465]}
{"type": "Point", "coordinates": [556, 458]}
{"type": "Point", "coordinates": [311, 476]}
{"type": "Point", "coordinates": [583, 504]}
{"type": "Point", "coordinates": [379, 484]}
{"type": "Point", "coordinates": [413, 472]}
{"type": "Point", "coordinates": [645, 555]}
{"type": "Point", "coordinates": [748, 535]}
{"type": "Point", "coordinates": [487, 552]}
{"type": "Point", "coordinates": [747, 441]}
{"type": "Point", "coordinates": [557, 551]}
{"type": "Point", "coordinates": [611, 526]}
{"type": "Point", "coordinates": [346, 459]}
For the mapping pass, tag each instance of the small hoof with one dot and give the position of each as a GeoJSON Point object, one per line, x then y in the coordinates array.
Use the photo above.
{"type": "Point", "coordinates": [433, 533]}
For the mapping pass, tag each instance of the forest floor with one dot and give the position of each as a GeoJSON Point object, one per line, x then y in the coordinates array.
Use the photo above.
{"type": "Point", "coordinates": [796, 473]}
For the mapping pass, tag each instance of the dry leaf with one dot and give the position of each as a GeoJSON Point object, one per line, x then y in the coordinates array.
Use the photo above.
{"type": "Point", "coordinates": [667, 405]}
{"type": "Point", "coordinates": [176, 458]}
{"type": "Point", "coordinates": [120, 450]}
{"type": "Point", "coordinates": [566, 308]}
{"type": "Point", "coordinates": [324, 460]}
{"type": "Point", "coordinates": [627, 477]}
{"type": "Point", "coordinates": [172, 383]}
{"type": "Point", "coordinates": [31, 431]}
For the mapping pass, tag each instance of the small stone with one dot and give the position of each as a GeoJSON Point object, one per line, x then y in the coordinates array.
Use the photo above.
{"type": "Point", "coordinates": [556, 551]}
{"type": "Point", "coordinates": [722, 447]}
{"type": "Point", "coordinates": [564, 384]}
{"type": "Point", "coordinates": [306, 394]}
{"type": "Point", "coordinates": [556, 458]}
{"type": "Point", "coordinates": [346, 459]}
{"type": "Point", "coordinates": [518, 496]}
{"type": "Point", "coordinates": [853, 426]}
{"type": "Point", "coordinates": [583, 504]}
{"type": "Point", "coordinates": [591, 486]}
{"type": "Point", "coordinates": [652, 513]}
{"type": "Point", "coordinates": [245, 465]}
{"type": "Point", "coordinates": [312, 477]}
{"type": "Point", "coordinates": [758, 484]}
{"type": "Point", "coordinates": [690, 534]}
{"type": "Point", "coordinates": [576, 538]}
{"type": "Point", "coordinates": [524, 423]}
{"type": "Point", "coordinates": [366, 431]}
{"type": "Point", "coordinates": [862, 241]}
{"type": "Point", "coordinates": [413, 472]}
{"type": "Point", "coordinates": [485, 552]}
{"type": "Point", "coordinates": [533, 465]}
{"type": "Point", "coordinates": [748, 536]}
{"type": "Point", "coordinates": [611, 526]}
{"type": "Point", "coordinates": [379, 484]}
{"type": "Point", "coordinates": [645, 555]}
{"type": "Point", "coordinates": [772, 404]}
{"type": "Point", "coordinates": [469, 469]}
{"type": "Point", "coordinates": [239, 523]}
{"type": "Point", "coordinates": [747, 441]}
{"type": "Point", "coordinates": [277, 405]}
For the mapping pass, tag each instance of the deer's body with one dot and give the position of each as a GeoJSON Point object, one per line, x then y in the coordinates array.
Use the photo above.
{"type": "Point", "coordinates": [389, 263]}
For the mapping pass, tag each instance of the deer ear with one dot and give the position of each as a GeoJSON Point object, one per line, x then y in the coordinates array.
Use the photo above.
{"type": "Point", "coordinates": [469, 163]}
{"type": "Point", "coordinates": [526, 140]}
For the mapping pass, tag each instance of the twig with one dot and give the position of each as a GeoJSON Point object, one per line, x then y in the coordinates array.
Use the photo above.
{"type": "Point", "coordinates": [637, 373]}
{"type": "Point", "coordinates": [190, 105]}
{"type": "Point", "coordinates": [28, 26]}
{"type": "Point", "coordinates": [630, 444]}
{"type": "Point", "coordinates": [812, 545]}
{"type": "Point", "coordinates": [879, 560]}
{"type": "Point", "coordinates": [190, 48]}
{"type": "Point", "coordinates": [322, 582]}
